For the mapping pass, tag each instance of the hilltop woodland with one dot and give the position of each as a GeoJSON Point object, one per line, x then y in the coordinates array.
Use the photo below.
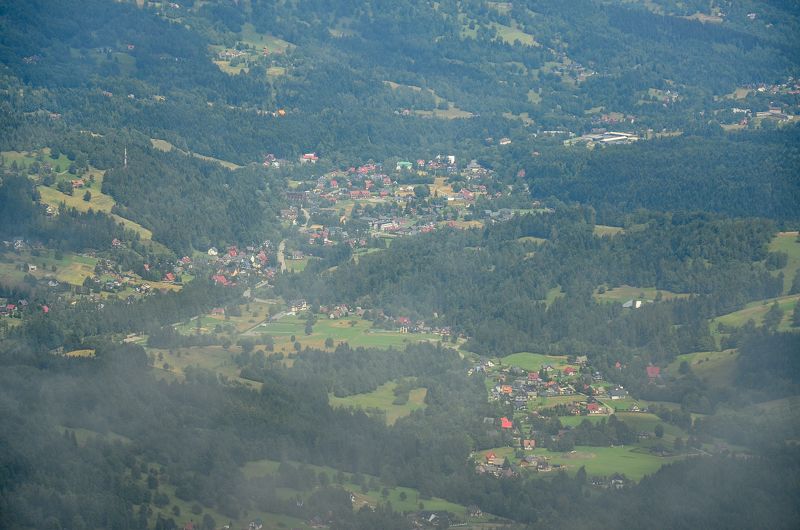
{"type": "Point", "coordinates": [689, 211]}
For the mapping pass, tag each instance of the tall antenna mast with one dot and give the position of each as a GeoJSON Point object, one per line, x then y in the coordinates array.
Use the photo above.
{"type": "Point", "coordinates": [126, 156]}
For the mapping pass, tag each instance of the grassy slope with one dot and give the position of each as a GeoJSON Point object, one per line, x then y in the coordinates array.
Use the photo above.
{"type": "Point", "coordinates": [787, 242]}
{"type": "Point", "coordinates": [164, 145]}
{"type": "Point", "coordinates": [264, 467]}
{"type": "Point", "coordinates": [382, 398]}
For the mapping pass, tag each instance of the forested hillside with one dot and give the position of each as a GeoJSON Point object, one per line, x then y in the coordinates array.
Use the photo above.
{"type": "Point", "coordinates": [404, 263]}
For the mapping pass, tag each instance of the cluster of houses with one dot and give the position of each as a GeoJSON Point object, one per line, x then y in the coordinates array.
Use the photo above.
{"type": "Point", "coordinates": [253, 260]}
{"type": "Point", "coordinates": [517, 386]}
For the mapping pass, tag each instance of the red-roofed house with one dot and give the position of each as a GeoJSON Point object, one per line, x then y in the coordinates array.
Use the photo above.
{"type": "Point", "coordinates": [593, 408]}
{"type": "Point", "coordinates": [46, 309]}
{"type": "Point", "coordinates": [169, 278]}
{"type": "Point", "coordinates": [569, 370]}
{"type": "Point", "coordinates": [653, 371]}
{"type": "Point", "coordinates": [505, 423]}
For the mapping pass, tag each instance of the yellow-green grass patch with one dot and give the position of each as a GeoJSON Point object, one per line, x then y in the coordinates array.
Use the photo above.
{"type": "Point", "coordinates": [758, 309]}
{"type": "Point", "coordinates": [82, 434]}
{"type": "Point", "coordinates": [624, 293]}
{"type": "Point", "coordinates": [610, 460]}
{"type": "Point", "coordinates": [214, 358]}
{"type": "Point", "coordinates": [258, 40]}
{"type": "Point", "coordinates": [552, 294]}
{"type": "Point", "coordinates": [80, 353]}
{"type": "Point", "coordinates": [164, 145]}
{"type": "Point", "coordinates": [534, 96]}
{"type": "Point", "coordinates": [382, 399]}
{"type": "Point", "coordinates": [532, 362]}
{"type": "Point", "coordinates": [601, 230]}
{"type": "Point", "coordinates": [787, 242]}
{"type": "Point", "coordinates": [717, 366]}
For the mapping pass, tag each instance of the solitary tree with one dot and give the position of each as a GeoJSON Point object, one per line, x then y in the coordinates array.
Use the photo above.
{"type": "Point", "coordinates": [659, 431]}
{"type": "Point", "coordinates": [329, 341]}
{"type": "Point", "coordinates": [87, 196]}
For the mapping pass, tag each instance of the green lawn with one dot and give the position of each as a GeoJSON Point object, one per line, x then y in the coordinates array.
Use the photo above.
{"type": "Point", "coordinates": [382, 398]}
{"type": "Point", "coordinates": [532, 362]}
{"type": "Point", "coordinates": [340, 330]}
{"type": "Point", "coordinates": [610, 460]}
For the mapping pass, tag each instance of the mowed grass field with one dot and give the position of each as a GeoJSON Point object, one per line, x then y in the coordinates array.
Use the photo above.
{"type": "Point", "coordinates": [382, 398]}
{"type": "Point", "coordinates": [340, 330]}
{"type": "Point", "coordinates": [532, 362]}
{"type": "Point", "coordinates": [610, 460]}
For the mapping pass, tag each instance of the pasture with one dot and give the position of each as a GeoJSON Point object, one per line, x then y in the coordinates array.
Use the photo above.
{"type": "Point", "coordinates": [70, 269]}
{"type": "Point", "coordinates": [214, 358]}
{"type": "Point", "coordinates": [382, 398]}
{"type": "Point", "coordinates": [758, 309]}
{"type": "Point", "coordinates": [340, 330]}
{"type": "Point", "coordinates": [624, 293]}
{"type": "Point", "coordinates": [787, 242]}
{"type": "Point", "coordinates": [532, 362]}
{"type": "Point", "coordinates": [93, 182]}
{"type": "Point", "coordinates": [609, 460]}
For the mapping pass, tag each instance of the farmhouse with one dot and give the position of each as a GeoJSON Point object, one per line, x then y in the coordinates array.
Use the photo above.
{"type": "Point", "coordinates": [474, 511]}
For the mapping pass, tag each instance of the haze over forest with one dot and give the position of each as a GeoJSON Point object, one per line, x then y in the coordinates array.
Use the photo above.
{"type": "Point", "coordinates": [399, 264]}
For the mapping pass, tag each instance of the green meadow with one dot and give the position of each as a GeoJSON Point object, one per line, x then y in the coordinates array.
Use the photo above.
{"type": "Point", "coordinates": [532, 362]}
{"type": "Point", "coordinates": [382, 398]}
{"type": "Point", "coordinates": [787, 242]}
